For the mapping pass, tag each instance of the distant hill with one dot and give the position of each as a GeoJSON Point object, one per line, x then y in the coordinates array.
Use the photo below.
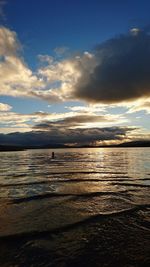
{"type": "Point", "coordinates": [145, 143]}
{"type": "Point", "coordinates": [10, 148]}
{"type": "Point", "coordinates": [20, 148]}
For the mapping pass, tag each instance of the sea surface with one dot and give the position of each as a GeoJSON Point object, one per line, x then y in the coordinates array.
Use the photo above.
{"type": "Point", "coordinates": [86, 207]}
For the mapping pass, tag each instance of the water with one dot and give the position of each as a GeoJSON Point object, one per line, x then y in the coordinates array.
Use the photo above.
{"type": "Point", "coordinates": [85, 207]}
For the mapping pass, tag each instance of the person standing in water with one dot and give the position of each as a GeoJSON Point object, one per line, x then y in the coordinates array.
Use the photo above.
{"type": "Point", "coordinates": [53, 155]}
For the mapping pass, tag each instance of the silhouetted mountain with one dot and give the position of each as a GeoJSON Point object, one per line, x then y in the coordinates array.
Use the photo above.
{"type": "Point", "coordinates": [19, 148]}
{"type": "Point", "coordinates": [144, 143]}
{"type": "Point", "coordinates": [10, 148]}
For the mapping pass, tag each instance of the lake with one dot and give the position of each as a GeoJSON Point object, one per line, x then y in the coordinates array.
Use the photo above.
{"type": "Point", "coordinates": [86, 207]}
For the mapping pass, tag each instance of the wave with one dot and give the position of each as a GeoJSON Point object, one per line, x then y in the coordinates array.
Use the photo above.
{"type": "Point", "coordinates": [131, 184]}
{"type": "Point", "coordinates": [54, 194]}
{"type": "Point", "coordinates": [24, 184]}
{"type": "Point", "coordinates": [90, 219]}
{"type": "Point", "coordinates": [55, 180]}
{"type": "Point", "coordinates": [83, 172]}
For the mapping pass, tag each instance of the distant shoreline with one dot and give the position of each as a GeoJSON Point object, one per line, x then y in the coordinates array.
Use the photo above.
{"type": "Point", "coordinates": [5, 148]}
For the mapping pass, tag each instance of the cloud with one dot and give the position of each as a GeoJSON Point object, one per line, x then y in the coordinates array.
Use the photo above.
{"type": "Point", "coordinates": [122, 72]}
{"type": "Point", "coordinates": [16, 120]}
{"type": "Point", "coordinates": [143, 104]}
{"type": "Point", "coordinates": [51, 81]}
{"type": "Point", "coordinates": [87, 109]}
{"type": "Point", "coordinates": [63, 76]}
{"type": "Point", "coordinates": [12, 121]}
{"type": "Point", "coordinates": [81, 120]}
{"type": "Point", "coordinates": [15, 76]}
{"type": "Point", "coordinates": [70, 128]}
{"type": "Point", "coordinates": [115, 72]}
{"type": "Point", "coordinates": [63, 136]}
{"type": "Point", "coordinates": [5, 107]}
{"type": "Point", "coordinates": [45, 59]}
{"type": "Point", "coordinates": [9, 43]}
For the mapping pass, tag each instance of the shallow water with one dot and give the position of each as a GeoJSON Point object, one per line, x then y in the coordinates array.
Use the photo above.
{"type": "Point", "coordinates": [85, 207]}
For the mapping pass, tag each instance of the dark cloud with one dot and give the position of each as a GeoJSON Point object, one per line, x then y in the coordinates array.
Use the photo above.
{"type": "Point", "coordinates": [61, 136]}
{"type": "Point", "coordinates": [76, 120]}
{"type": "Point", "coordinates": [67, 131]}
{"type": "Point", "coordinates": [87, 119]}
{"type": "Point", "coordinates": [122, 72]}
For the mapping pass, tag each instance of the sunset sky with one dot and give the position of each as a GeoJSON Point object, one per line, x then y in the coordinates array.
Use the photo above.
{"type": "Point", "coordinates": [74, 72]}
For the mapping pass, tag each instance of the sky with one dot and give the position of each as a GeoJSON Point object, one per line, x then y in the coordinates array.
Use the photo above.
{"type": "Point", "coordinates": [74, 72]}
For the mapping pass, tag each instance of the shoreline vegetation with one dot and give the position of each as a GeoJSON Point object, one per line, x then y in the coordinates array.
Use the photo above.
{"type": "Point", "coordinates": [5, 148]}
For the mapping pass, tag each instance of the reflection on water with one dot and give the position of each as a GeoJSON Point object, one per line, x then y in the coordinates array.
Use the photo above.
{"type": "Point", "coordinates": [86, 204]}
